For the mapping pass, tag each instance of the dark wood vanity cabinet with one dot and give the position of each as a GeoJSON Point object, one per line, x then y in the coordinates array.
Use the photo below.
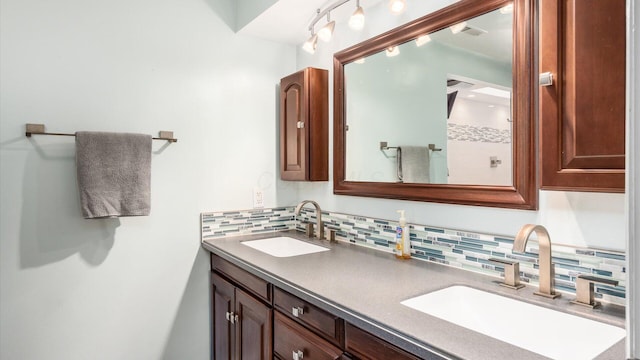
{"type": "Point", "coordinates": [304, 126]}
{"type": "Point", "coordinates": [253, 319]}
{"type": "Point", "coordinates": [242, 322]}
{"type": "Point", "coordinates": [582, 115]}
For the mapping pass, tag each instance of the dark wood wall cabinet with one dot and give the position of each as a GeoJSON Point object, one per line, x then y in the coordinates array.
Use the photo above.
{"type": "Point", "coordinates": [304, 125]}
{"type": "Point", "coordinates": [253, 319]}
{"type": "Point", "coordinates": [582, 114]}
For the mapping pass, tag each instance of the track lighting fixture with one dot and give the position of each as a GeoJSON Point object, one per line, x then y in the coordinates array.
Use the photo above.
{"type": "Point", "coordinates": [392, 51]}
{"type": "Point", "coordinates": [327, 31]}
{"type": "Point", "coordinates": [397, 6]}
{"type": "Point", "coordinates": [458, 27]}
{"type": "Point", "coordinates": [356, 21]}
{"type": "Point", "coordinates": [421, 40]}
{"type": "Point", "coordinates": [311, 44]}
{"type": "Point", "coordinates": [507, 9]}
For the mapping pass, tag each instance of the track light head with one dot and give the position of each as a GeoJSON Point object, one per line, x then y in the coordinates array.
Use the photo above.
{"type": "Point", "coordinates": [356, 21]}
{"type": "Point", "coordinates": [311, 44]}
{"type": "Point", "coordinates": [458, 27]}
{"type": "Point", "coordinates": [327, 31]}
{"type": "Point", "coordinates": [397, 6]}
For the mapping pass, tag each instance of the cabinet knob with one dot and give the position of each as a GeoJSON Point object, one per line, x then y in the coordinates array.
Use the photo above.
{"type": "Point", "coordinates": [298, 355]}
{"type": "Point", "coordinates": [300, 124]}
{"type": "Point", "coordinates": [231, 317]}
{"type": "Point", "coordinates": [546, 79]}
{"type": "Point", "coordinates": [297, 311]}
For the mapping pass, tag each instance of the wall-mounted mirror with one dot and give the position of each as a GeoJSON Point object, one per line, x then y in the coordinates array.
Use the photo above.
{"type": "Point", "coordinates": [441, 109]}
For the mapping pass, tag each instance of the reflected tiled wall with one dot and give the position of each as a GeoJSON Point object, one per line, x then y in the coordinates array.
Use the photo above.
{"type": "Point", "coordinates": [461, 249]}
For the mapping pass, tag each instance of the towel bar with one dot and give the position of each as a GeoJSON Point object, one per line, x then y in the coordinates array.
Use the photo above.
{"type": "Point", "coordinates": [384, 146]}
{"type": "Point", "coordinates": [38, 129]}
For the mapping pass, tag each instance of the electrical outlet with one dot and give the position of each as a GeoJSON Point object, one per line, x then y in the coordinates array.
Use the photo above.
{"type": "Point", "coordinates": [258, 198]}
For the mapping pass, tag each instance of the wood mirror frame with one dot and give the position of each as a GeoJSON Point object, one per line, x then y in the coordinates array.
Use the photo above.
{"type": "Point", "coordinates": [523, 193]}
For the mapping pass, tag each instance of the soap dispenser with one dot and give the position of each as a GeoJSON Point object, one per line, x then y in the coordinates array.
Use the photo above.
{"type": "Point", "coordinates": [403, 243]}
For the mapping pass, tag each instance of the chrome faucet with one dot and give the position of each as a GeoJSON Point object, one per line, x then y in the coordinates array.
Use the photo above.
{"type": "Point", "coordinates": [545, 272]}
{"type": "Point", "coordinates": [318, 218]}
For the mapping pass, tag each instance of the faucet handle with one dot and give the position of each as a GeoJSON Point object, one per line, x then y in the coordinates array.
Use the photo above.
{"type": "Point", "coordinates": [331, 235]}
{"type": "Point", "coordinates": [511, 273]}
{"type": "Point", "coordinates": [585, 292]}
{"type": "Point", "coordinates": [309, 229]}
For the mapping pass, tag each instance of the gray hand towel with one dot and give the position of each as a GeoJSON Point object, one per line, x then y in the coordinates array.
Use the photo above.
{"type": "Point", "coordinates": [114, 174]}
{"type": "Point", "coordinates": [413, 162]}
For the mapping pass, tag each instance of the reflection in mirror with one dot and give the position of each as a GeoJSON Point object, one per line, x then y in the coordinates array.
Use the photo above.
{"type": "Point", "coordinates": [440, 109]}
{"type": "Point", "coordinates": [478, 132]}
{"type": "Point", "coordinates": [430, 91]}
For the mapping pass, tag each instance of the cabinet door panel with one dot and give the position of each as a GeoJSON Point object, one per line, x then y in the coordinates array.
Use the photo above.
{"type": "Point", "coordinates": [253, 328]}
{"type": "Point", "coordinates": [594, 67]}
{"type": "Point", "coordinates": [222, 303]}
{"type": "Point", "coordinates": [582, 115]}
{"type": "Point", "coordinates": [293, 127]}
{"type": "Point", "coordinates": [304, 129]}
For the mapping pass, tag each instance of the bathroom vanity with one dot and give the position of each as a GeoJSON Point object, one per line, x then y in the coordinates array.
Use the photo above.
{"type": "Point", "coordinates": [346, 303]}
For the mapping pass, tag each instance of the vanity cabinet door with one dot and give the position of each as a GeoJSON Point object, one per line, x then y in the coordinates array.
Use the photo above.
{"type": "Point", "coordinates": [242, 324]}
{"type": "Point", "coordinates": [582, 115]}
{"type": "Point", "coordinates": [222, 303]}
{"type": "Point", "coordinates": [253, 328]}
{"type": "Point", "coordinates": [304, 126]}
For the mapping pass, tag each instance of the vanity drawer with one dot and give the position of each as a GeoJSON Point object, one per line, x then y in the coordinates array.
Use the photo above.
{"type": "Point", "coordinates": [362, 345]}
{"type": "Point", "coordinates": [293, 341]}
{"type": "Point", "coordinates": [329, 326]}
{"type": "Point", "coordinates": [244, 279]}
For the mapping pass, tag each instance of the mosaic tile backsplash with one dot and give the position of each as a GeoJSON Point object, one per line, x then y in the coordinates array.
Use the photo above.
{"type": "Point", "coordinates": [461, 249]}
{"type": "Point", "coordinates": [478, 133]}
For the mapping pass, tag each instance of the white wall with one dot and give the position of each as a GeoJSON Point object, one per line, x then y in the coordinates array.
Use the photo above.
{"type": "Point", "coordinates": [129, 288]}
{"type": "Point", "coordinates": [572, 218]}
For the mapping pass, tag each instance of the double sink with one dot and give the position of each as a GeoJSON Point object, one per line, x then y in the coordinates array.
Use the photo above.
{"type": "Point", "coordinates": [545, 331]}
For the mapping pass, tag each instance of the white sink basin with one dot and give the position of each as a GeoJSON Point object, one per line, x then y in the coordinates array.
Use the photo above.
{"type": "Point", "coordinates": [544, 331]}
{"type": "Point", "coordinates": [284, 246]}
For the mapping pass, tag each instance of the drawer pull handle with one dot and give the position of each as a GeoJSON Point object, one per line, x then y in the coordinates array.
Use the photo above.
{"type": "Point", "coordinates": [297, 311]}
{"type": "Point", "coordinates": [298, 355]}
{"type": "Point", "coordinates": [300, 124]}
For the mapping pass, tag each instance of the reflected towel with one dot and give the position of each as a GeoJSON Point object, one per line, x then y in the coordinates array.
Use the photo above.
{"type": "Point", "coordinates": [413, 163]}
{"type": "Point", "coordinates": [114, 174]}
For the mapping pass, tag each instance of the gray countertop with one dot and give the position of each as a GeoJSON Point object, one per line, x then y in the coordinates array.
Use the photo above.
{"type": "Point", "coordinates": [365, 287]}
